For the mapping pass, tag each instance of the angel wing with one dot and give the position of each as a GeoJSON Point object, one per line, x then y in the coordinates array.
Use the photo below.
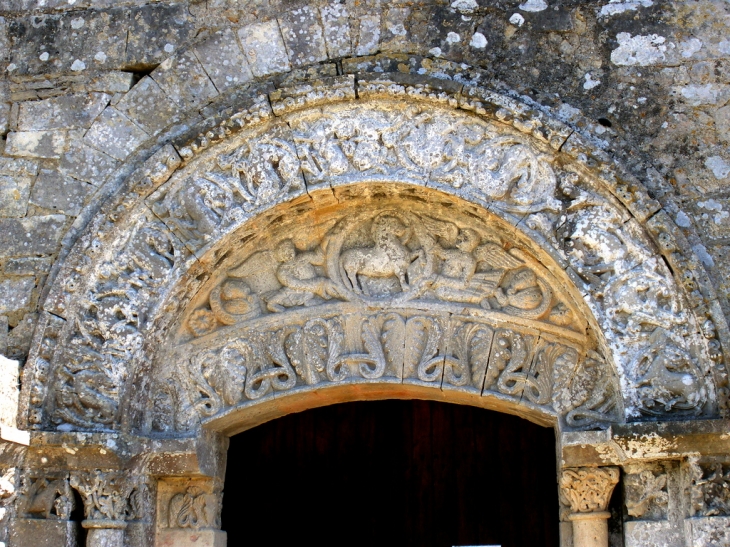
{"type": "Point", "coordinates": [446, 230]}
{"type": "Point", "coordinates": [497, 258]}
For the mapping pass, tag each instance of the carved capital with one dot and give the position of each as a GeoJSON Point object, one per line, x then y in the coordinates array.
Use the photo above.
{"type": "Point", "coordinates": [105, 495]}
{"type": "Point", "coordinates": [588, 490]}
{"type": "Point", "coordinates": [45, 496]}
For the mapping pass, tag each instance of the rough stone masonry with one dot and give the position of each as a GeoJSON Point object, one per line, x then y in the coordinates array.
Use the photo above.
{"type": "Point", "coordinates": [182, 187]}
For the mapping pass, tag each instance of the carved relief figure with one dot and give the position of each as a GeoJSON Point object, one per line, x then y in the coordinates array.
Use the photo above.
{"type": "Point", "coordinates": [46, 498]}
{"type": "Point", "coordinates": [388, 257]}
{"type": "Point", "coordinates": [709, 488]}
{"type": "Point", "coordinates": [299, 275]}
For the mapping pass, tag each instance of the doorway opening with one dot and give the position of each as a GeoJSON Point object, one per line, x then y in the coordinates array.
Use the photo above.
{"type": "Point", "coordinates": [393, 473]}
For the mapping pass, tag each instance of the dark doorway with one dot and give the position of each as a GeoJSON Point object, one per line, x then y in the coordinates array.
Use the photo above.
{"type": "Point", "coordinates": [392, 473]}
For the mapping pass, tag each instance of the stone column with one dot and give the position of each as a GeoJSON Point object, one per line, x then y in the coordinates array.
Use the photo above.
{"type": "Point", "coordinates": [106, 498]}
{"type": "Point", "coordinates": [587, 490]}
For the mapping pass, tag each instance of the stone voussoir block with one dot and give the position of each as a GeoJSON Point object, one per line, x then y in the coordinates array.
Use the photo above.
{"type": "Point", "coordinates": [61, 194]}
{"type": "Point", "coordinates": [86, 163]}
{"type": "Point", "coordinates": [337, 36]}
{"type": "Point", "coordinates": [184, 80]}
{"type": "Point", "coordinates": [303, 36]}
{"type": "Point", "coordinates": [264, 48]}
{"type": "Point", "coordinates": [114, 134]}
{"type": "Point", "coordinates": [223, 60]}
{"type": "Point", "coordinates": [148, 106]}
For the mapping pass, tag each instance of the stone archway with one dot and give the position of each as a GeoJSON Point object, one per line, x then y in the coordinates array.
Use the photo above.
{"type": "Point", "coordinates": [406, 242]}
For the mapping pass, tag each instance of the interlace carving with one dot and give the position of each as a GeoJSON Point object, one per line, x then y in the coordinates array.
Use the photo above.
{"type": "Point", "coordinates": [191, 510]}
{"type": "Point", "coordinates": [105, 494]}
{"type": "Point", "coordinates": [587, 489]}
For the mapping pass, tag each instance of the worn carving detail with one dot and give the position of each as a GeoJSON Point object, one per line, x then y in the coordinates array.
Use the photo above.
{"type": "Point", "coordinates": [709, 489]}
{"type": "Point", "coordinates": [588, 490]}
{"type": "Point", "coordinates": [46, 497]}
{"type": "Point", "coordinates": [191, 510]}
{"type": "Point", "coordinates": [646, 495]}
{"type": "Point", "coordinates": [105, 494]}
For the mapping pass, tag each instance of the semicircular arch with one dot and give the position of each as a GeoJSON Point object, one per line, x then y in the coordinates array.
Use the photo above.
{"type": "Point", "coordinates": [160, 243]}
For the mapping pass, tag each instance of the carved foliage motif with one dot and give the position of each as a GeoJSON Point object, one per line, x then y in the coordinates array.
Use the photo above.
{"type": "Point", "coordinates": [641, 313]}
{"type": "Point", "coordinates": [108, 329]}
{"type": "Point", "coordinates": [587, 489]}
{"type": "Point", "coordinates": [105, 494]}
{"type": "Point", "coordinates": [709, 488]}
{"type": "Point", "coordinates": [193, 509]}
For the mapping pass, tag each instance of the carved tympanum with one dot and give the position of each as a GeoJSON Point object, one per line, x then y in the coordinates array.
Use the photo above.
{"type": "Point", "coordinates": [588, 489]}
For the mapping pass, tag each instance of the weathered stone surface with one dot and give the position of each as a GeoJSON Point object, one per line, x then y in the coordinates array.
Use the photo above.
{"type": "Point", "coordinates": [368, 35]}
{"type": "Point", "coordinates": [223, 60]}
{"type": "Point", "coordinates": [264, 48]}
{"type": "Point", "coordinates": [9, 391]}
{"type": "Point", "coordinates": [31, 236]}
{"type": "Point", "coordinates": [336, 23]}
{"type": "Point", "coordinates": [16, 177]}
{"type": "Point", "coordinates": [27, 266]}
{"type": "Point", "coordinates": [183, 79]}
{"type": "Point", "coordinates": [86, 163]}
{"type": "Point", "coordinates": [15, 293]}
{"type": "Point", "coordinates": [36, 144]}
{"type": "Point", "coordinates": [708, 531]}
{"type": "Point", "coordinates": [156, 31]}
{"type": "Point", "coordinates": [303, 36]}
{"type": "Point", "coordinates": [69, 42]}
{"type": "Point", "coordinates": [148, 106]}
{"type": "Point", "coordinates": [59, 193]}
{"type": "Point", "coordinates": [191, 538]}
{"type": "Point", "coordinates": [45, 533]}
{"type": "Point", "coordinates": [4, 116]}
{"type": "Point", "coordinates": [67, 112]}
{"type": "Point", "coordinates": [115, 135]}
{"type": "Point", "coordinates": [20, 336]}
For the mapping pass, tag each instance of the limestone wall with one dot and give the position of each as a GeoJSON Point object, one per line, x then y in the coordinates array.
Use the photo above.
{"type": "Point", "coordinates": [86, 83]}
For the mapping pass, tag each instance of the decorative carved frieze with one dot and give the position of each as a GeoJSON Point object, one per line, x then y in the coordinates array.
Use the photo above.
{"type": "Point", "coordinates": [588, 489]}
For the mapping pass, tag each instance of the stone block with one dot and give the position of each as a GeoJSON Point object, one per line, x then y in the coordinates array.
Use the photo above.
{"type": "Point", "coordinates": [19, 338]}
{"type": "Point", "coordinates": [368, 35]}
{"type": "Point", "coordinates": [708, 531]}
{"type": "Point", "coordinates": [39, 235]}
{"type": "Point", "coordinates": [9, 391]}
{"type": "Point", "coordinates": [67, 112]}
{"type": "Point", "coordinates": [114, 134]}
{"type": "Point", "coordinates": [223, 60]}
{"type": "Point", "coordinates": [156, 32]}
{"type": "Point", "coordinates": [85, 163]}
{"type": "Point", "coordinates": [27, 266]}
{"type": "Point", "coordinates": [191, 538]}
{"type": "Point", "coordinates": [3, 344]}
{"type": "Point", "coordinates": [16, 293]}
{"type": "Point", "coordinates": [148, 106]}
{"type": "Point", "coordinates": [646, 532]}
{"type": "Point", "coordinates": [722, 123]}
{"type": "Point", "coordinates": [63, 194]}
{"type": "Point", "coordinates": [183, 79]}
{"type": "Point", "coordinates": [264, 48]}
{"type": "Point", "coordinates": [112, 82]}
{"type": "Point", "coordinates": [16, 177]}
{"type": "Point", "coordinates": [4, 117]}
{"type": "Point", "coordinates": [74, 41]}
{"type": "Point", "coordinates": [42, 533]}
{"type": "Point", "coordinates": [36, 144]}
{"type": "Point", "coordinates": [336, 23]}
{"type": "Point", "coordinates": [303, 36]}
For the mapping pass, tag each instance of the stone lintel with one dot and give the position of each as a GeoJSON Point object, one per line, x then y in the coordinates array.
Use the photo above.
{"type": "Point", "coordinates": [637, 442]}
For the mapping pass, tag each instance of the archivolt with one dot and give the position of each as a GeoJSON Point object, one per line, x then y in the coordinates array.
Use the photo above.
{"type": "Point", "coordinates": [163, 263]}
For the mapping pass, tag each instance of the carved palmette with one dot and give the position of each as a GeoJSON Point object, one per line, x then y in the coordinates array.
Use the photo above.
{"type": "Point", "coordinates": [469, 349]}
{"type": "Point", "coordinates": [509, 362]}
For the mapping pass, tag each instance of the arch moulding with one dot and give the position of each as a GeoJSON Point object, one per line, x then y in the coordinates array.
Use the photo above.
{"type": "Point", "coordinates": [349, 240]}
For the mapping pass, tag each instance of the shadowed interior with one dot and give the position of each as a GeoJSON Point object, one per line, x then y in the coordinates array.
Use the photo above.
{"type": "Point", "coordinates": [393, 473]}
